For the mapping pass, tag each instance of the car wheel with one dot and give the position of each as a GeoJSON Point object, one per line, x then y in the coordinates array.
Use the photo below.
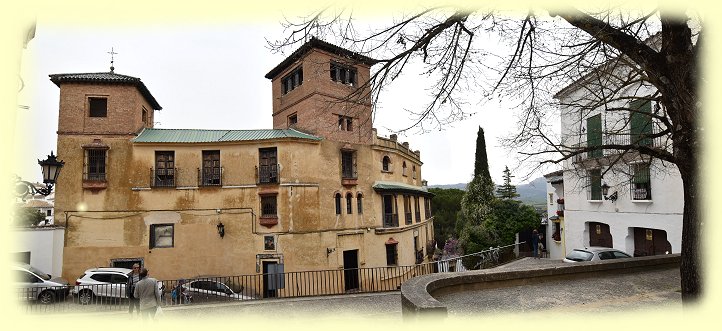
{"type": "Point", "coordinates": [85, 297]}
{"type": "Point", "coordinates": [46, 297]}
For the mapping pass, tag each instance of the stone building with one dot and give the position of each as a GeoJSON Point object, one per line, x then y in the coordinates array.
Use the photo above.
{"type": "Point", "coordinates": [319, 191]}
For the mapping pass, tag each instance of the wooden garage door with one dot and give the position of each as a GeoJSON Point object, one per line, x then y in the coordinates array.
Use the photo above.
{"type": "Point", "coordinates": [599, 235]}
{"type": "Point", "coordinates": [650, 242]}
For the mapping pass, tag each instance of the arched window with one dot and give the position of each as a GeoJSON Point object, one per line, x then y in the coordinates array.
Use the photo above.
{"type": "Point", "coordinates": [337, 197]}
{"type": "Point", "coordinates": [403, 168]}
{"type": "Point", "coordinates": [349, 196]}
{"type": "Point", "coordinates": [359, 201]}
{"type": "Point", "coordinates": [413, 171]}
{"type": "Point", "coordinates": [385, 163]}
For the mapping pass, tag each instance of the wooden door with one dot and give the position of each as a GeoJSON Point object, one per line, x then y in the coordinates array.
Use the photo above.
{"type": "Point", "coordinates": [599, 235]}
{"type": "Point", "coordinates": [649, 242]}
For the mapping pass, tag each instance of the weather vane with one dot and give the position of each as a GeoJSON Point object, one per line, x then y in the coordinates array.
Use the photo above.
{"type": "Point", "coordinates": [111, 59]}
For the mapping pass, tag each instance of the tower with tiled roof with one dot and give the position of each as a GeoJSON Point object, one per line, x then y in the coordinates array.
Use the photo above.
{"type": "Point", "coordinates": [324, 89]}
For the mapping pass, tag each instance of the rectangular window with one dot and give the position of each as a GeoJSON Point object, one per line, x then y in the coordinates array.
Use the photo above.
{"type": "Point", "coordinates": [292, 80]}
{"type": "Point", "coordinates": [594, 184]}
{"type": "Point", "coordinates": [594, 136]}
{"type": "Point", "coordinates": [345, 123]}
{"type": "Point", "coordinates": [268, 206]}
{"type": "Point", "coordinates": [343, 74]}
{"type": "Point", "coordinates": [390, 217]}
{"type": "Point", "coordinates": [211, 171]}
{"type": "Point", "coordinates": [98, 107]}
{"type": "Point", "coordinates": [144, 116]}
{"type": "Point", "coordinates": [348, 164]}
{"type": "Point", "coordinates": [269, 243]}
{"type": "Point", "coordinates": [292, 119]}
{"type": "Point", "coordinates": [417, 209]}
{"type": "Point", "coordinates": [551, 198]}
{"type": "Point", "coordinates": [161, 235]}
{"type": "Point", "coordinates": [427, 207]}
{"type": "Point", "coordinates": [267, 165]}
{"type": "Point", "coordinates": [391, 254]}
{"type": "Point", "coordinates": [95, 164]}
{"type": "Point", "coordinates": [407, 209]}
{"type": "Point", "coordinates": [164, 173]}
{"type": "Point", "coordinates": [641, 182]}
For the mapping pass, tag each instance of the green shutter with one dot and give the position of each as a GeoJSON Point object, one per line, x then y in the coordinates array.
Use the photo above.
{"type": "Point", "coordinates": [641, 174]}
{"type": "Point", "coordinates": [594, 135]}
{"type": "Point", "coordinates": [640, 122]}
{"type": "Point", "coordinates": [595, 184]}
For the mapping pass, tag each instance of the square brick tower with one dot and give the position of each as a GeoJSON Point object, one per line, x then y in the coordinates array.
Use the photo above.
{"type": "Point", "coordinates": [324, 90]}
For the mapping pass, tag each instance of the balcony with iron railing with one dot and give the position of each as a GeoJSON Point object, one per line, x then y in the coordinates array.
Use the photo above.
{"type": "Point", "coordinates": [391, 220]}
{"type": "Point", "coordinates": [267, 174]}
{"type": "Point", "coordinates": [165, 177]}
{"type": "Point", "coordinates": [208, 177]}
{"type": "Point", "coordinates": [619, 139]}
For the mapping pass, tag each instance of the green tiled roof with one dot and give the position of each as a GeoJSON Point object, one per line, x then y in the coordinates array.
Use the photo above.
{"type": "Point", "coordinates": [400, 187]}
{"type": "Point", "coordinates": [211, 136]}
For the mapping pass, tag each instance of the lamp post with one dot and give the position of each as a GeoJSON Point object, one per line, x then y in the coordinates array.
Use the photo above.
{"type": "Point", "coordinates": [50, 168]}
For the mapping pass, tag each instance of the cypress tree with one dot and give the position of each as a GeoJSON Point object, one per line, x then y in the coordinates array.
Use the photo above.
{"type": "Point", "coordinates": [481, 164]}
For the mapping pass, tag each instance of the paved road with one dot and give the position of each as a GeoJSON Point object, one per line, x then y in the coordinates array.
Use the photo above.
{"type": "Point", "coordinates": [603, 294]}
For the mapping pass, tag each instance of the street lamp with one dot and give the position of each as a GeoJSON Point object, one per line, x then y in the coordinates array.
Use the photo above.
{"type": "Point", "coordinates": [605, 191]}
{"type": "Point", "coordinates": [51, 169]}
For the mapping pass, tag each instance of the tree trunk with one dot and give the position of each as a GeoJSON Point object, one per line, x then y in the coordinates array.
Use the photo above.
{"type": "Point", "coordinates": [690, 268]}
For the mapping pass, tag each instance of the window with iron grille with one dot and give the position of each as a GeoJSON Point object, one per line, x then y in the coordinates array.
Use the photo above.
{"type": "Point", "coordinates": [292, 80]}
{"type": "Point", "coordinates": [392, 254]}
{"type": "Point", "coordinates": [345, 123]}
{"type": "Point", "coordinates": [292, 119]}
{"type": "Point", "coordinates": [594, 184]}
{"type": "Point", "coordinates": [348, 164]}
{"type": "Point", "coordinates": [267, 165]}
{"type": "Point", "coordinates": [95, 164]}
{"type": "Point", "coordinates": [211, 171]}
{"type": "Point", "coordinates": [164, 173]}
{"type": "Point", "coordinates": [641, 188]}
{"type": "Point", "coordinates": [161, 235]}
{"type": "Point", "coordinates": [98, 107]}
{"type": "Point", "coordinates": [268, 206]}
{"type": "Point", "coordinates": [343, 74]}
{"type": "Point", "coordinates": [359, 202]}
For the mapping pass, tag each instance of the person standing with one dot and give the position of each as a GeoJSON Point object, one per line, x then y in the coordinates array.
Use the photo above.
{"type": "Point", "coordinates": [535, 243]}
{"type": "Point", "coordinates": [148, 294]}
{"type": "Point", "coordinates": [133, 279]}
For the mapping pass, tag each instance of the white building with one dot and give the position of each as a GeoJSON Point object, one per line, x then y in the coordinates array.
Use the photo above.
{"type": "Point", "coordinates": [616, 197]}
{"type": "Point", "coordinates": [554, 231]}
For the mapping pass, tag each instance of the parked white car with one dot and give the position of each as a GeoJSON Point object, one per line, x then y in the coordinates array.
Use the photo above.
{"type": "Point", "coordinates": [34, 284]}
{"type": "Point", "coordinates": [595, 254]}
{"type": "Point", "coordinates": [101, 282]}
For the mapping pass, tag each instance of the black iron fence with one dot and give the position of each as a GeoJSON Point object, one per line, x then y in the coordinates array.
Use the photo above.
{"type": "Point", "coordinates": [113, 297]}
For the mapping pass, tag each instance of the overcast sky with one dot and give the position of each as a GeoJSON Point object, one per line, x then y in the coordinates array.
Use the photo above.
{"type": "Point", "coordinates": [211, 76]}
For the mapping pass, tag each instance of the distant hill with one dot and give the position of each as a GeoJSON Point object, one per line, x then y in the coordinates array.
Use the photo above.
{"type": "Point", "coordinates": [532, 193]}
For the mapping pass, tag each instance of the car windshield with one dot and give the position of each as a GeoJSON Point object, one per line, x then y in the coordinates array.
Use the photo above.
{"type": "Point", "coordinates": [577, 255]}
{"type": "Point", "coordinates": [39, 273]}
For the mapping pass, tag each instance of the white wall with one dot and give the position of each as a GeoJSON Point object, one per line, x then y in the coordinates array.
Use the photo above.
{"type": "Point", "coordinates": [555, 249]}
{"type": "Point", "coordinates": [45, 245]}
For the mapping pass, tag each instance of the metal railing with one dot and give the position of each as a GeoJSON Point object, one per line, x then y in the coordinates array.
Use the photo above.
{"type": "Point", "coordinates": [113, 297]}
{"type": "Point", "coordinates": [267, 174]}
{"type": "Point", "coordinates": [210, 176]}
{"type": "Point", "coordinates": [165, 177]}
